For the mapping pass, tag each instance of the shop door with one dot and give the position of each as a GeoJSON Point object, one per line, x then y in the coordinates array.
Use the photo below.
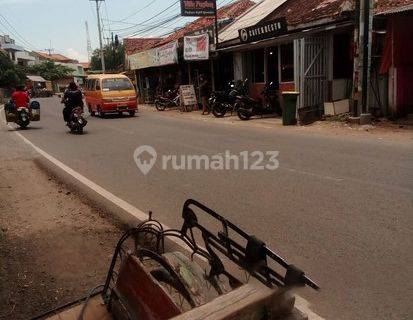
{"type": "Point", "coordinates": [314, 71]}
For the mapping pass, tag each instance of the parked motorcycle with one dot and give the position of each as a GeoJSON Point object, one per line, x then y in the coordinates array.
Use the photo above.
{"type": "Point", "coordinates": [22, 116]}
{"type": "Point", "coordinates": [77, 121]}
{"type": "Point", "coordinates": [248, 107]}
{"type": "Point", "coordinates": [171, 99]}
{"type": "Point", "coordinates": [222, 102]}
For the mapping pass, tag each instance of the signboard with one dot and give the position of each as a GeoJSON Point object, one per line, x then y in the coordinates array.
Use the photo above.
{"type": "Point", "coordinates": [161, 56]}
{"type": "Point", "coordinates": [188, 96]}
{"type": "Point", "coordinates": [197, 8]}
{"type": "Point", "coordinates": [263, 31]}
{"type": "Point", "coordinates": [196, 47]}
{"type": "Point", "coordinates": [144, 59]}
{"type": "Point", "coordinates": [168, 54]}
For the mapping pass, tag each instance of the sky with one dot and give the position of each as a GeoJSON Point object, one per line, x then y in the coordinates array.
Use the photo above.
{"type": "Point", "coordinates": [60, 25]}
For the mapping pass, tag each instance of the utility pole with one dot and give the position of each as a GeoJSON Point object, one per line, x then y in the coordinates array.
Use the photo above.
{"type": "Point", "coordinates": [102, 54]}
{"type": "Point", "coordinates": [365, 39]}
{"type": "Point", "coordinates": [89, 45]}
{"type": "Point", "coordinates": [50, 49]}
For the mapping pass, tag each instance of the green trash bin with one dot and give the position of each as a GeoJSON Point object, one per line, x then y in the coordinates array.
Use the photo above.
{"type": "Point", "coordinates": [290, 107]}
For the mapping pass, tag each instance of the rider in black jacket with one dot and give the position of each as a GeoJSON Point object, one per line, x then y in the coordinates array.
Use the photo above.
{"type": "Point", "coordinates": [72, 98]}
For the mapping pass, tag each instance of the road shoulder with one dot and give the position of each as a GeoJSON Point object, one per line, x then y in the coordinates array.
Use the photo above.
{"type": "Point", "coordinates": [55, 247]}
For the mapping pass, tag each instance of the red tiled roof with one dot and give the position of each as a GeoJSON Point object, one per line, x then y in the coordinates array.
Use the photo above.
{"type": "Point", "coordinates": [381, 6]}
{"type": "Point", "coordinates": [230, 11]}
{"type": "Point", "coordinates": [134, 45]}
{"type": "Point", "coordinates": [85, 65]}
{"type": "Point", "coordinates": [304, 11]}
{"type": "Point", "coordinates": [54, 57]}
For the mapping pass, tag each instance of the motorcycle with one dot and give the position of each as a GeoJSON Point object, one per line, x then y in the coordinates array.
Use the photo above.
{"type": "Point", "coordinates": [77, 121]}
{"type": "Point", "coordinates": [172, 99]}
{"type": "Point", "coordinates": [222, 102]}
{"type": "Point", "coordinates": [22, 116]}
{"type": "Point", "coordinates": [248, 107]}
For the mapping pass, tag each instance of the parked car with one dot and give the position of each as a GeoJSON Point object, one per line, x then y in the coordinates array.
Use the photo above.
{"type": "Point", "coordinates": [110, 93]}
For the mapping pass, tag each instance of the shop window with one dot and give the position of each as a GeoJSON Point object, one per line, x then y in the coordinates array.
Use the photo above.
{"type": "Point", "coordinates": [342, 58]}
{"type": "Point", "coordinates": [287, 62]}
{"type": "Point", "coordinates": [255, 65]}
{"type": "Point", "coordinates": [272, 64]}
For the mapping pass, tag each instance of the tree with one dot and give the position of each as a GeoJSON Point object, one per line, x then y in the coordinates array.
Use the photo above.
{"type": "Point", "coordinates": [114, 58]}
{"type": "Point", "coordinates": [50, 71]}
{"type": "Point", "coordinates": [11, 75]}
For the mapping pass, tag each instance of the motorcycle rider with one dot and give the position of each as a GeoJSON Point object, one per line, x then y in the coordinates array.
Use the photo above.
{"type": "Point", "coordinates": [72, 98]}
{"type": "Point", "coordinates": [20, 97]}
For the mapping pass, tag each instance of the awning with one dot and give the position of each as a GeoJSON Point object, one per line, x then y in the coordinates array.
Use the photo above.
{"type": "Point", "coordinates": [36, 78]}
{"type": "Point", "coordinates": [250, 18]}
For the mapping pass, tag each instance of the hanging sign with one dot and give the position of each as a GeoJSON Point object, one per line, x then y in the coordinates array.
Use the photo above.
{"type": "Point", "coordinates": [196, 47]}
{"type": "Point", "coordinates": [263, 31]}
{"type": "Point", "coordinates": [197, 8]}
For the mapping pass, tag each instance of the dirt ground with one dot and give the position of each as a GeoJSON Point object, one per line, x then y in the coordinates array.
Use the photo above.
{"type": "Point", "coordinates": [379, 129]}
{"type": "Point", "coordinates": [53, 247]}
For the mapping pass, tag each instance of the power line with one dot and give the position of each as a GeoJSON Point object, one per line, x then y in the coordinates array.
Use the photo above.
{"type": "Point", "coordinates": [157, 24]}
{"type": "Point", "coordinates": [149, 29]}
{"type": "Point", "coordinates": [138, 11]}
{"type": "Point", "coordinates": [16, 34]}
{"type": "Point", "coordinates": [160, 13]}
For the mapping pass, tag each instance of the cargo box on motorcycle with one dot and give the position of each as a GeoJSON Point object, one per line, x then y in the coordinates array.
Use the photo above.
{"type": "Point", "coordinates": [10, 111]}
{"type": "Point", "coordinates": [35, 106]}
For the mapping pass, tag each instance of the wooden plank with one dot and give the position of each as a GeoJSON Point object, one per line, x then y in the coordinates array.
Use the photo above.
{"type": "Point", "coordinates": [247, 302]}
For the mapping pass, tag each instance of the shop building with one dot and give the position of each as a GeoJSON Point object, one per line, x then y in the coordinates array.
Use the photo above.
{"type": "Point", "coordinates": [309, 46]}
{"type": "Point", "coordinates": [163, 66]}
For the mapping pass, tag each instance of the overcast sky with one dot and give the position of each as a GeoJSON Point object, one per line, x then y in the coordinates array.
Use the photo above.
{"type": "Point", "coordinates": [36, 23]}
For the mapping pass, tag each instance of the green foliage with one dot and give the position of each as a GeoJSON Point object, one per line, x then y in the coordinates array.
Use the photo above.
{"type": "Point", "coordinates": [114, 58]}
{"type": "Point", "coordinates": [49, 70]}
{"type": "Point", "coordinates": [11, 75]}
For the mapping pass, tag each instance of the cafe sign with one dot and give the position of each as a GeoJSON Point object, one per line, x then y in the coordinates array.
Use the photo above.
{"type": "Point", "coordinates": [198, 8]}
{"type": "Point", "coordinates": [263, 31]}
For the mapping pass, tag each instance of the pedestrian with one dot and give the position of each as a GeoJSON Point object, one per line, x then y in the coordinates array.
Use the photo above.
{"type": "Point", "coordinates": [204, 93]}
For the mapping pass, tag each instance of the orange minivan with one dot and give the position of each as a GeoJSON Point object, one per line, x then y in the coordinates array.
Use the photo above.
{"type": "Point", "coordinates": [110, 93]}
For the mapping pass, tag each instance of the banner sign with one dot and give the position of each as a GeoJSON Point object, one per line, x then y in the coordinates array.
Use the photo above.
{"type": "Point", "coordinates": [161, 56]}
{"type": "Point", "coordinates": [168, 53]}
{"type": "Point", "coordinates": [144, 59]}
{"type": "Point", "coordinates": [196, 47]}
{"type": "Point", "coordinates": [197, 8]}
{"type": "Point", "coordinates": [188, 96]}
{"type": "Point", "coordinates": [263, 31]}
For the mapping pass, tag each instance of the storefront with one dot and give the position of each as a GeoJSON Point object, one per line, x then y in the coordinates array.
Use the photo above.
{"type": "Point", "coordinates": [308, 53]}
{"type": "Point", "coordinates": [156, 70]}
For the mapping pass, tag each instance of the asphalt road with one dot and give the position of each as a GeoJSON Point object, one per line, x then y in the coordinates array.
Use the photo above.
{"type": "Point", "coordinates": [340, 207]}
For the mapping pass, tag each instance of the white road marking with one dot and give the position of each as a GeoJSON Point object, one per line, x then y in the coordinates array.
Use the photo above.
{"type": "Point", "coordinates": [321, 176]}
{"type": "Point", "coordinates": [301, 304]}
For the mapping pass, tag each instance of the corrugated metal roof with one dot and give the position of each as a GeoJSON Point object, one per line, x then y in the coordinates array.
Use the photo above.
{"type": "Point", "coordinates": [249, 18]}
